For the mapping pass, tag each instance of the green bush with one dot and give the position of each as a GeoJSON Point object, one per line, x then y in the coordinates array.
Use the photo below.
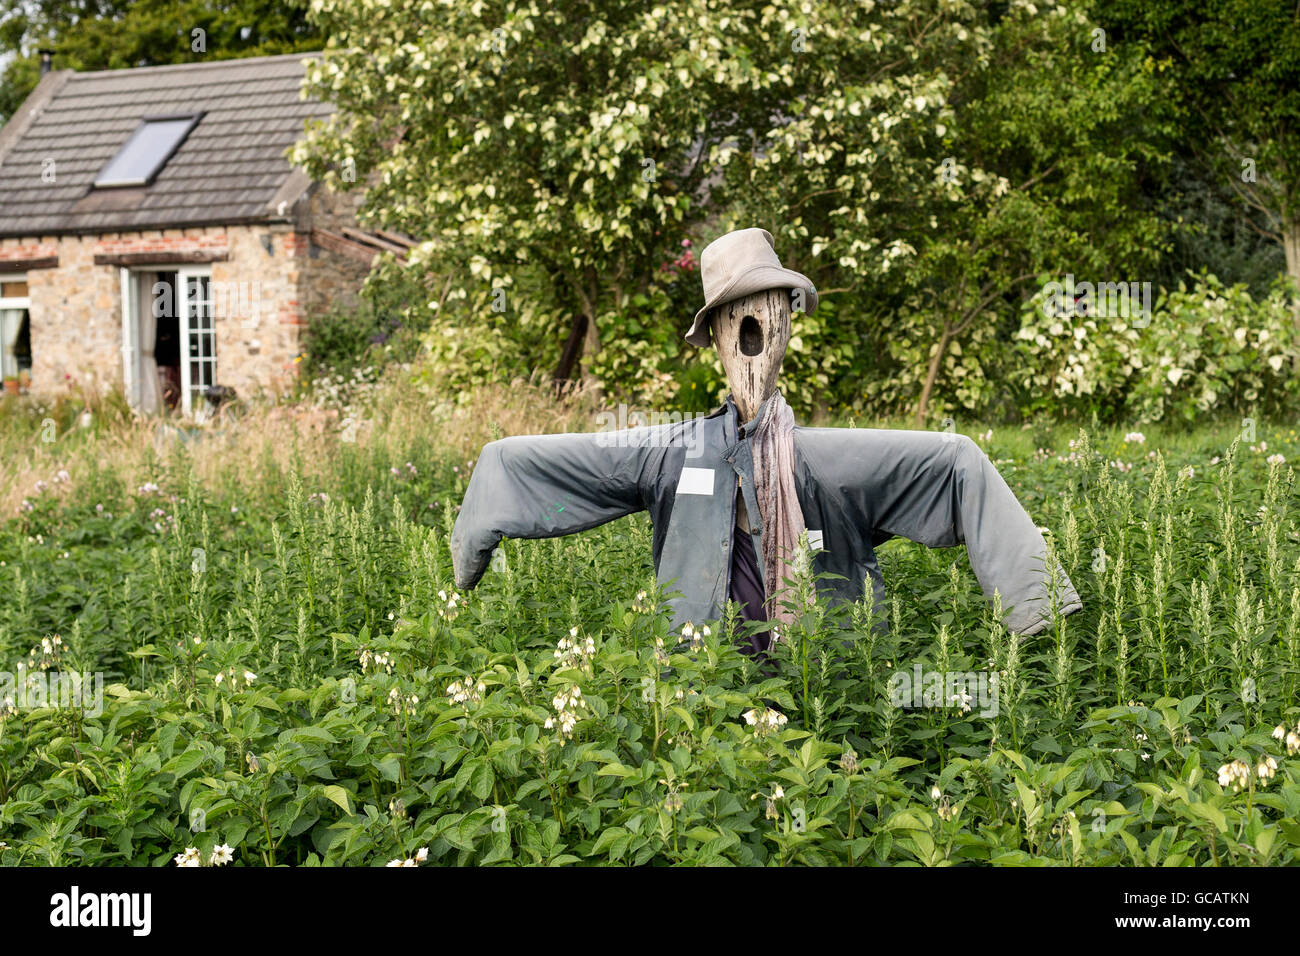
{"type": "Point", "coordinates": [384, 325]}
{"type": "Point", "coordinates": [1206, 349]}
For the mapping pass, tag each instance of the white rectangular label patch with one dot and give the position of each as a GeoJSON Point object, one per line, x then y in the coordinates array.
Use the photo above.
{"type": "Point", "coordinates": [814, 539]}
{"type": "Point", "coordinates": [695, 481]}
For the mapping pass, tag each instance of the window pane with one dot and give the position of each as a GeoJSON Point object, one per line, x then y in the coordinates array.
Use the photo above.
{"type": "Point", "coordinates": [13, 289]}
{"type": "Point", "coordinates": [144, 153]}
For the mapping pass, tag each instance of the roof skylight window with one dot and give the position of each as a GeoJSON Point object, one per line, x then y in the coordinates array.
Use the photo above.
{"type": "Point", "coordinates": [143, 156]}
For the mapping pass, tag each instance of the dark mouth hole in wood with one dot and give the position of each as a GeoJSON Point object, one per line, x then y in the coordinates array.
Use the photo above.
{"type": "Point", "coordinates": [751, 336]}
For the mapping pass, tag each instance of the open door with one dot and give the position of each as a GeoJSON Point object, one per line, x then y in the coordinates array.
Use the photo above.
{"type": "Point", "coordinates": [130, 337]}
{"type": "Point", "coordinates": [169, 354]}
{"type": "Point", "coordinates": [198, 344]}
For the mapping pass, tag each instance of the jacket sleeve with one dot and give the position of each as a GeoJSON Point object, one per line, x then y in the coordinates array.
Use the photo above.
{"type": "Point", "coordinates": [940, 490]}
{"type": "Point", "coordinates": [542, 486]}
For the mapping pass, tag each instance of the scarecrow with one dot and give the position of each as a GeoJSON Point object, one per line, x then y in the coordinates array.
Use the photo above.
{"type": "Point", "coordinates": [732, 494]}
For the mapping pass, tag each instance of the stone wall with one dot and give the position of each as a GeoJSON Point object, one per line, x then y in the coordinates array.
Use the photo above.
{"type": "Point", "coordinates": [256, 348]}
{"type": "Point", "coordinates": [271, 280]}
{"type": "Point", "coordinates": [75, 317]}
{"type": "Point", "coordinates": [332, 279]}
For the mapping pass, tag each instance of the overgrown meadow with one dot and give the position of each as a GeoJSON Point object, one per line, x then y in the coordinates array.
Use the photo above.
{"type": "Point", "coordinates": [289, 676]}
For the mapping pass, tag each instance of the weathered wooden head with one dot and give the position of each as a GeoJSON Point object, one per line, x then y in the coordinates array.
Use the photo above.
{"type": "Point", "coordinates": [748, 298]}
{"type": "Point", "coordinates": [751, 334]}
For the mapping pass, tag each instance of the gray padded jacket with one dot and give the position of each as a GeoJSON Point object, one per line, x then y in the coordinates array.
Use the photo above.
{"type": "Point", "coordinates": [857, 488]}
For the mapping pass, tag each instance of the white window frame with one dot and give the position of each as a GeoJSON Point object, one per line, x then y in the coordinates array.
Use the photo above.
{"type": "Point", "coordinates": [184, 277]}
{"type": "Point", "coordinates": [20, 302]}
{"type": "Point", "coordinates": [130, 335]}
{"type": "Point", "coordinates": [15, 301]}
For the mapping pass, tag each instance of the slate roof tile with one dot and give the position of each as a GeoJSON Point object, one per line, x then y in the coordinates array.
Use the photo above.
{"type": "Point", "coordinates": [229, 168]}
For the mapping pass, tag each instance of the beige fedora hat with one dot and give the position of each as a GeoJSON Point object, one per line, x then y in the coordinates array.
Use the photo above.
{"type": "Point", "coordinates": [739, 264]}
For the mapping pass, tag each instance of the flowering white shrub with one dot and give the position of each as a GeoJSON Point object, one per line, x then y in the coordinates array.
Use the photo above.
{"type": "Point", "coordinates": [1204, 348]}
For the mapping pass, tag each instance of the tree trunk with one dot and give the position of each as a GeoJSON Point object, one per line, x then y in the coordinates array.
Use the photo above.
{"type": "Point", "coordinates": [590, 348]}
{"type": "Point", "coordinates": [1291, 245]}
{"type": "Point", "coordinates": [931, 376]}
{"type": "Point", "coordinates": [571, 352]}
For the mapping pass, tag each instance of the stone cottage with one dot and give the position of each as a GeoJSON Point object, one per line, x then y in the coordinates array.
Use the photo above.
{"type": "Point", "coordinates": [153, 234]}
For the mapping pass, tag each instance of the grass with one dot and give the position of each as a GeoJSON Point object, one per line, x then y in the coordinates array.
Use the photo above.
{"type": "Point", "coordinates": [287, 671]}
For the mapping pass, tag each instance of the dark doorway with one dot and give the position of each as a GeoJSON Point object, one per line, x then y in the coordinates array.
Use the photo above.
{"type": "Point", "coordinates": [167, 345]}
{"type": "Point", "coordinates": [23, 347]}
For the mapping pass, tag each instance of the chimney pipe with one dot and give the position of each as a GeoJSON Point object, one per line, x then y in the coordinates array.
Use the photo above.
{"type": "Point", "coordinates": [47, 60]}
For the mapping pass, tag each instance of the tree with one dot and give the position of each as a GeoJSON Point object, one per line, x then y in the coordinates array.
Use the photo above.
{"type": "Point", "coordinates": [1232, 67]}
{"type": "Point", "coordinates": [923, 159]}
{"type": "Point", "coordinates": [941, 158]}
{"type": "Point", "coordinates": [565, 143]}
{"type": "Point", "coordinates": [113, 34]}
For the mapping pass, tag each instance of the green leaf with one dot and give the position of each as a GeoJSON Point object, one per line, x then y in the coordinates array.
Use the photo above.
{"type": "Point", "coordinates": [336, 794]}
{"type": "Point", "coordinates": [389, 767]}
{"type": "Point", "coordinates": [183, 763]}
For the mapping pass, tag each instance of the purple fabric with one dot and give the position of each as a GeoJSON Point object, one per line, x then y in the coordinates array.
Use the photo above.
{"type": "Point", "coordinates": [747, 588]}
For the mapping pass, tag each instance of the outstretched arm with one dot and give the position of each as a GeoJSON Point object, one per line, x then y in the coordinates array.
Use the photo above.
{"type": "Point", "coordinates": [940, 489]}
{"type": "Point", "coordinates": [542, 486]}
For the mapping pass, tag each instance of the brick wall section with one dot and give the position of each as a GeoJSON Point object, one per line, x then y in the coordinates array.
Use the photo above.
{"type": "Point", "coordinates": [27, 250]}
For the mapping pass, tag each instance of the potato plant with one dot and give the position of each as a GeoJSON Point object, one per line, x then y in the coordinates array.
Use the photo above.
{"type": "Point", "coordinates": [289, 678]}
